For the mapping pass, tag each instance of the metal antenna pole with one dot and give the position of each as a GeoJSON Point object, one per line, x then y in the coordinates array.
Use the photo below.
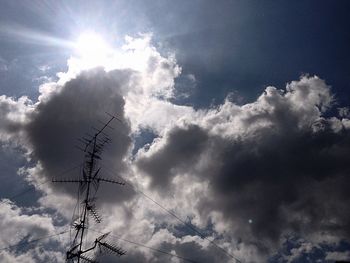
{"type": "Point", "coordinates": [93, 148]}
{"type": "Point", "coordinates": [87, 197]}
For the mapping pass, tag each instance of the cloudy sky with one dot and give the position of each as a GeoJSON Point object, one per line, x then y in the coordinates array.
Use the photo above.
{"type": "Point", "coordinates": [234, 140]}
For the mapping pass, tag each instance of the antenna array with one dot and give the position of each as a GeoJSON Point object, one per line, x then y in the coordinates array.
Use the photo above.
{"type": "Point", "coordinates": [88, 183]}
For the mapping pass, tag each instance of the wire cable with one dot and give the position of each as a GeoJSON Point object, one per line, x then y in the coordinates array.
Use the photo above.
{"type": "Point", "coordinates": [151, 248]}
{"type": "Point", "coordinates": [33, 187]}
{"type": "Point", "coordinates": [180, 220]}
{"type": "Point", "coordinates": [33, 241]}
{"type": "Point", "coordinates": [190, 226]}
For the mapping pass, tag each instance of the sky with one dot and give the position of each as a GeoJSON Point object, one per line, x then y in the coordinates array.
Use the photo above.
{"type": "Point", "coordinates": [234, 139]}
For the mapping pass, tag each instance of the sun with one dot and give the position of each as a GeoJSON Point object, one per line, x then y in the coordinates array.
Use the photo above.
{"type": "Point", "coordinates": [92, 48]}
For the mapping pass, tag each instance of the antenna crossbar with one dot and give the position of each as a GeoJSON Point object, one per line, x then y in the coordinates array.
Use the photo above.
{"type": "Point", "coordinates": [94, 145]}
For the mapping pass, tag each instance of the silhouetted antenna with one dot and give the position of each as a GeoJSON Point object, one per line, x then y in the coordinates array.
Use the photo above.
{"type": "Point", "coordinates": [94, 214]}
{"type": "Point", "coordinates": [87, 259]}
{"type": "Point", "coordinates": [92, 147]}
{"type": "Point", "coordinates": [111, 248]}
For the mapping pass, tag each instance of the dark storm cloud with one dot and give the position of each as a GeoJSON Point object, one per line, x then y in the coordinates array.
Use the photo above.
{"type": "Point", "coordinates": [183, 149]}
{"type": "Point", "coordinates": [276, 163]}
{"type": "Point", "coordinates": [68, 113]}
{"type": "Point", "coordinates": [275, 176]}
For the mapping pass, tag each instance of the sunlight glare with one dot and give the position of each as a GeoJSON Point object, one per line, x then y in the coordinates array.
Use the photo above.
{"type": "Point", "coordinates": [92, 48]}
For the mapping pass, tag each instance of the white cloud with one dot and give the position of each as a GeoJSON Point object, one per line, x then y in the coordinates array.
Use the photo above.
{"type": "Point", "coordinates": [13, 117]}
{"type": "Point", "coordinates": [24, 225]}
{"type": "Point", "coordinates": [233, 152]}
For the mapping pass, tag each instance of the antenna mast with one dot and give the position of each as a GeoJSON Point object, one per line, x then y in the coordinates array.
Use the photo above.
{"type": "Point", "coordinates": [89, 183]}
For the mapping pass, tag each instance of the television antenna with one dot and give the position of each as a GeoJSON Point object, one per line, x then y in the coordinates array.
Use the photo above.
{"type": "Point", "coordinates": [89, 182]}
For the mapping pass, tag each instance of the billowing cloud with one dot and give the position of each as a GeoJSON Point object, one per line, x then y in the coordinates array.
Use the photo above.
{"type": "Point", "coordinates": [67, 115]}
{"type": "Point", "coordinates": [247, 175]}
{"type": "Point", "coordinates": [48, 129]}
{"type": "Point", "coordinates": [21, 226]}
{"type": "Point", "coordinates": [68, 109]}
{"type": "Point", "coordinates": [13, 116]}
{"type": "Point", "coordinates": [270, 168]}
